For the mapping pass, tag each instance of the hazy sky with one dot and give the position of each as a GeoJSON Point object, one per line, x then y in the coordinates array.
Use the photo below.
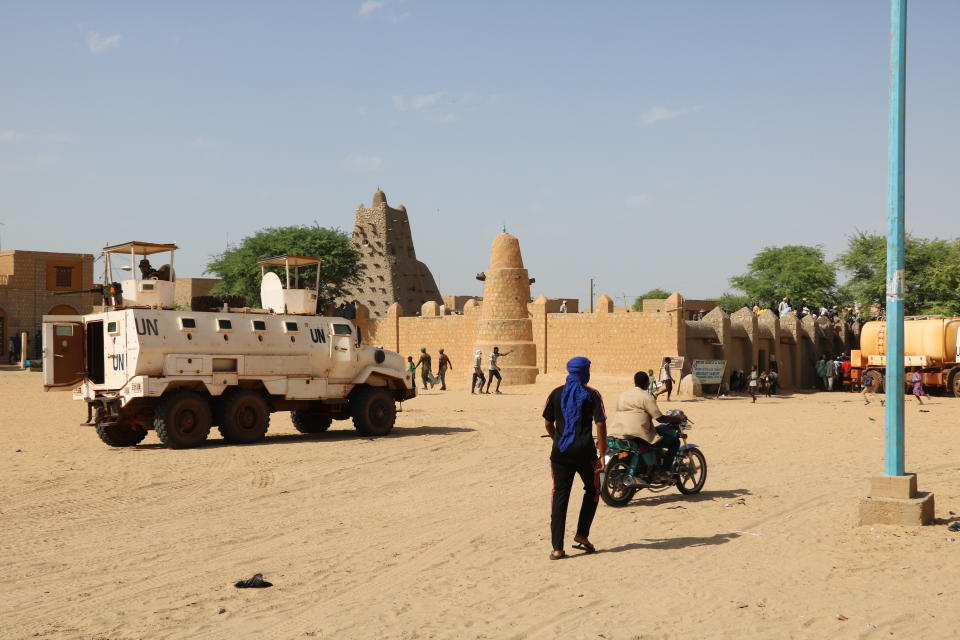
{"type": "Point", "coordinates": [646, 144]}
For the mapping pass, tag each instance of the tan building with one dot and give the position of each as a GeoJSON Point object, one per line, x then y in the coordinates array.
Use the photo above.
{"type": "Point", "coordinates": [29, 281]}
{"type": "Point", "coordinates": [616, 343]}
{"type": "Point", "coordinates": [393, 274]}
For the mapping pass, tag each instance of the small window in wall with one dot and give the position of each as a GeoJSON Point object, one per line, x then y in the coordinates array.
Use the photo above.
{"type": "Point", "coordinates": [291, 327]}
{"type": "Point", "coordinates": [112, 328]}
{"type": "Point", "coordinates": [63, 276]}
{"type": "Point", "coordinates": [342, 330]}
{"type": "Point", "coordinates": [259, 326]}
{"type": "Point", "coordinates": [224, 325]}
{"type": "Point", "coordinates": [188, 324]}
{"type": "Point", "coordinates": [63, 330]}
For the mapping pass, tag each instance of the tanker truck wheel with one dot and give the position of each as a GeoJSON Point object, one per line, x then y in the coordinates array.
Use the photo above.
{"type": "Point", "coordinates": [954, 384]}
{"type": "Point", "coordinates": [374, 411]}
{"type": "Point", "coordinates": [310, 422]}
{"type": "Point", "coordinates": [243, 416]}
{"type": "Point", "coordinates": [182, 419]}
{"type": "Point", "coordinates": [121, 435]}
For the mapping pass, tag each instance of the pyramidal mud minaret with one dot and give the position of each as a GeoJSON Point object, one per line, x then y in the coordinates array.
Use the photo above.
{"type": "Point", "coordinates": [504, 319]}
{"type": "Point", "coordinates": [393, 274]}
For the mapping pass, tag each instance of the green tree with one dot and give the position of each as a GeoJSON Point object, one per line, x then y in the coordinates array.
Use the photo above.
{"type": "Point", "coordinates": [793, 271]}
{"type": "Point", "coordinates": [731, 302]}
{"type": "Point", "coordinates": [237, 267]}
{"type": "Point", "coordinates": [653, 294]}
{"type": "Point", "coordinates": [931, 273]}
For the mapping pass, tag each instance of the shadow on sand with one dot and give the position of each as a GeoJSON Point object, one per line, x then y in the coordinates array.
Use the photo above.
{"type": "Point", "coordinates": [337, 435]}
{"type": "Point", "coordinates": [674, 543]}
{"type": "Point", "coordinates": [703, 496]}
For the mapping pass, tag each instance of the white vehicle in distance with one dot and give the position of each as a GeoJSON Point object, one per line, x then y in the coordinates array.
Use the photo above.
{"type": "Point", "coordinates": [140, 364]}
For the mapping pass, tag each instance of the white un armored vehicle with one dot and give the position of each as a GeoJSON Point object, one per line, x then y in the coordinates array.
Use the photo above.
{"type": "Point", "coordinates": [140, 364]}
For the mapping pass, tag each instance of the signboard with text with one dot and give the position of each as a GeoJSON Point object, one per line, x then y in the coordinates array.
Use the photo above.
{"type": "Point", "coordinates": [709, 371]}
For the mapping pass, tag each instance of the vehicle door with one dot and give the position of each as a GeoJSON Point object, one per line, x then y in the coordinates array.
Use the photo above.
{"type": "Point", "coordinates": [64, 361]}
{"type": "Point", "coordinates": [343, 356]}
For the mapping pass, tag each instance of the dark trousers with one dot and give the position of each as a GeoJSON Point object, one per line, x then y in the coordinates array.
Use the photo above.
{"type": "Point", "coordinates": [670, 442]}
{"type": "Point", "coordinates": [443, 379]}
{"type": "Point", "coordinates": [563, 475]}
{"type": "Point", "coordinates": [477, 375]}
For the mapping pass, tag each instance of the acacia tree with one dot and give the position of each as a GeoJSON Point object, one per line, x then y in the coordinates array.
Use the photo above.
{"type": "Point", "coordinates": [931, 273]}
{"type": "Point", "coordinates": [793, 271]}
{"type": "Point", "coordinates": [653, 294]}
{"type": "Point", "coordinates": [239, 274]}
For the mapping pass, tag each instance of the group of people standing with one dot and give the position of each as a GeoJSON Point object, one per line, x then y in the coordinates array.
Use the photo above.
{"type": "Point", "coordinates": [428, 380]}
{"type": "Point", "coordinates": [832, 373]}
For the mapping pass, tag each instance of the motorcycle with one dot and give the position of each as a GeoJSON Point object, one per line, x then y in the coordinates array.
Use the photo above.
{"type": "Point", "coordinates": [628, 463]}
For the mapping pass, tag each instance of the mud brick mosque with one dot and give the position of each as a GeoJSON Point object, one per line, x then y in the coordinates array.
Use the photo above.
{"type": "Point", "coordinates": [541, 340]}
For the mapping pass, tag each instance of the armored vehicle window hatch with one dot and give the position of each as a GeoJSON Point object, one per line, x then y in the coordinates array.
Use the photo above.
{"type": "Point", "coordinates": [287, 296]}
{"type": "Point", "coordinates": [342, 330]}
{"type": "Point", "coordinates": [224, 325]}
{"type": "Point", "coordinates": [147, 286]}
{"type": "Point", "coordinates": [186, 324]}
{"type": "Point", "coordinates": [259, 326]}
{"type": "Point", "coordinates": [291, 327]}
{"type": "Point", "coordinates": [113, 329]}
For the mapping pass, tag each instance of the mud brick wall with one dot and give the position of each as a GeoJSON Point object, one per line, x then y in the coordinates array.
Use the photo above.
{"type": "Point", "coordinates": [27, 288]}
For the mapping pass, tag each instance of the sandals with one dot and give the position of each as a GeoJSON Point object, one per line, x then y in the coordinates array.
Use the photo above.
{"type": "Point", "coordinates": [558, 554]}
{"type": "Point", "coordinates": [585, 546]}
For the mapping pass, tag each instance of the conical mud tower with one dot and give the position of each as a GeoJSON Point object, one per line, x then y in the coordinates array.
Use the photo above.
{"type": "Point", "coordinates": [504, 319]}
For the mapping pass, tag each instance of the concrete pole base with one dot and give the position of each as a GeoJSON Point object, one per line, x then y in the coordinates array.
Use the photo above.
{"type": "Point", "coordinates": [895, 500]}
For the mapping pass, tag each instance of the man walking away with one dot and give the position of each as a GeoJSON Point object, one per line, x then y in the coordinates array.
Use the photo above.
{"type": "Point", "coordinates": [822, 372]}
{"type": "Point", "coordinates": [666, 379]}
{"type": "Point", "coordinates": [426, 372]}
{"type": "Point", "coordinates": [494, 371]}
{"type": "Point", "coordinates": [477, 371]}
{"type": "Point", "coordinates": [442, 366]}
{"type": "Point", "coordinates": [752, 383]}
{"type": "Point", "coordinates": [570, 413]}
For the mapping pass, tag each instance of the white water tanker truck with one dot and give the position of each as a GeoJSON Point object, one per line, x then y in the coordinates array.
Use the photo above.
{"type": "Point", "coordinates": [140, 364]}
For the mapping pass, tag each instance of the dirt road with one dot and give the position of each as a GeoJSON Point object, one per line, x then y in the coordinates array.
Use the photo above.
{"type": "Point", "coordinates": [441, 529]}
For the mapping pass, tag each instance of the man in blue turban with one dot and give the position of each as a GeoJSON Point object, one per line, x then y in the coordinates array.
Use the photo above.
{"type": "Point", "coordinates": [570, 413]}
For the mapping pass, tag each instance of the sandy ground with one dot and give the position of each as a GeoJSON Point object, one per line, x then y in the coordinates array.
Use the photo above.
{"type": "Point", "coordinates": [441, 529]}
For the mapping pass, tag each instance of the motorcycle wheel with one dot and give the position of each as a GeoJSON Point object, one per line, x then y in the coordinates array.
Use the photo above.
{"type": "Point", "coordinates": [612, 489]}
{"type": "Point", "coordinates": [692, 471]}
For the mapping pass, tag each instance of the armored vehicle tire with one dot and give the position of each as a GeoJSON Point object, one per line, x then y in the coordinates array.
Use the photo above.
{"type": "Point", "coordinates": [182, 419]}
{"type": "Point", "coordinates": [374, 411]}
{"type": "Point", "coordinates": [310, 422]}
{"type": "Point", "coordinates": [121, 435]}
{"type": "Point", "coordinates": [243, 416]}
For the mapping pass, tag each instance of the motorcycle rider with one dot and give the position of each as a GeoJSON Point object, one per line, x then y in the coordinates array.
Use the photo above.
{"type": "Point", "coordinates": [636, 412]}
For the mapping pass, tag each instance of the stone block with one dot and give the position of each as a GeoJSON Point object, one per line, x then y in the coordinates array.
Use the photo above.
{"type": "Point", "coordinates": [906, 512]}
{"type": "Point", "coordinates": [898, 487]}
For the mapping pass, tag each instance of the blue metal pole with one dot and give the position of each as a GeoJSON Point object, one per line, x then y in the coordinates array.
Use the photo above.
{"type": "Point", "coordinates": [895, 239]}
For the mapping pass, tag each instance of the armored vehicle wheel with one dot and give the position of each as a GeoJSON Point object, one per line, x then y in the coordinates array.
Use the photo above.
{"type": "Point", "coordinates": [310, 422]}
{"type": "Point", "coordinates": [121, 435]}
{"type": "Point", "coordinates": [182, 419]}
{"type": "Point", "coordinates": [243, 416]}
{"type": "Point", "coordinates": [374, 411]}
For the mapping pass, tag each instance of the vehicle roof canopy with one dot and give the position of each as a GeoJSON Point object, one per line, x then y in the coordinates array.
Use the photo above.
{"type": "Point", "coordinates": [140, 248]}
{"type": "Point", "coordinates": [290, 260]}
